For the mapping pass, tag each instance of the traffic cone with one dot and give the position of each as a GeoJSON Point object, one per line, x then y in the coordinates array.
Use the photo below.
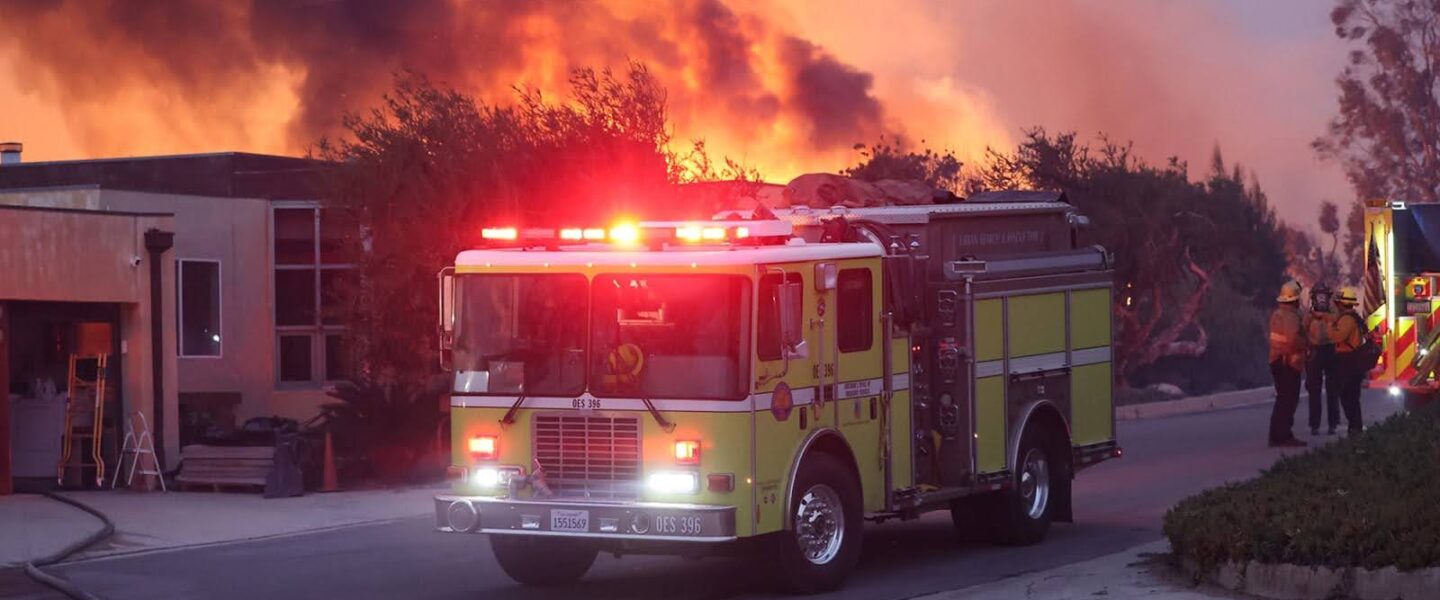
{"type": "Point", "coordinates": [328, 482]}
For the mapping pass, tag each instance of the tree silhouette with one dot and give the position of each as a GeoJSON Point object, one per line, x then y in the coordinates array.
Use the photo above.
{"type": "Point", "coordinates": [1387, 132]}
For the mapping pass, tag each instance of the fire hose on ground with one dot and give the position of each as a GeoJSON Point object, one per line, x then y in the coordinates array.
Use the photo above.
{"type": "Point", "coordinates": [61, 584]}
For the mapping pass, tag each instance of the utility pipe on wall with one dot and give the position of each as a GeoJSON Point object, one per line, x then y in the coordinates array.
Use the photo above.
{"type": "Point", "coordinates": [156, 243]}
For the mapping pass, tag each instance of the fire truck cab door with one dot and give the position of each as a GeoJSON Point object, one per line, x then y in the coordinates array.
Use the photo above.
{"type": "Point", "coordinates": [856, 337]}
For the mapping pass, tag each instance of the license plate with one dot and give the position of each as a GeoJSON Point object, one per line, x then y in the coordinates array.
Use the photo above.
{"type": "Point", "coordinates": [570, 520]}
{"type": "Point", "coordinates": [677, 525]}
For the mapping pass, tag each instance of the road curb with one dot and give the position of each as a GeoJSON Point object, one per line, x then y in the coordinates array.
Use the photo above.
{"type": "Point", "coordinates": [1297, 582]}
{"type": "Point", "coordinates": [1197, 404]}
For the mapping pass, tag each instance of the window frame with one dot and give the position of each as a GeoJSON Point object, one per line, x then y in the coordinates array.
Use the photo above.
{"type": "Point", "coordinates": [588, 282]}
{"type": "Point", "coordinates": [317, 330]}
{"type": "Point", "coordinates": [180, 307]}
{"type": "Point", "coordinates": [760, 304]}
{"type": "Point", "coordinates": [745, 367]}
{"type": "Point", "coordinates": [840, 316]}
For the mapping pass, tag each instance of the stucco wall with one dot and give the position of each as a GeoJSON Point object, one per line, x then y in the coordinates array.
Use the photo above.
{"type": "Point", "coordinates": [236, 232]}
{"type": "Point", "coordinates": [65, 256]}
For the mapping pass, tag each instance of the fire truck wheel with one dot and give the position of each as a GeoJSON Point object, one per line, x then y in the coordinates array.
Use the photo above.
{"type": "Point", "coordinates": [543, 562]}
{"type": "Point", "coordinates": [827, 526]}
{"type": "Point", "coordinates": [1026, 509]}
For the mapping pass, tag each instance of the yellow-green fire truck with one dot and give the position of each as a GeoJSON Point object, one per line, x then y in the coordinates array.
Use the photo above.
{"type": "Point", "coordinates": [767, 383]}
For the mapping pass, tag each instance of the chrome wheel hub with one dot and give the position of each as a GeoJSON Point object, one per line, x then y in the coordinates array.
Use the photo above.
{"type": "Point", "coordinates": [1034, 484]}
{"type": "Point", "coordinates": [819, 524]}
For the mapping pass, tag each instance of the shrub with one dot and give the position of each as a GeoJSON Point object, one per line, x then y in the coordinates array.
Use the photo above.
{"type": "Point", "coordinates": [1371, 500]}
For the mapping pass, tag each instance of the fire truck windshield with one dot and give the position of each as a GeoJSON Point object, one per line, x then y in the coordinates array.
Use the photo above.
{"type": "Point", "coordinates": [520, 334]}
{"type": "Point", "coordinates": [669, 336]}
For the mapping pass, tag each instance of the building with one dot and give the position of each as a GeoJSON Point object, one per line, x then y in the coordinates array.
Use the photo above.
{"type": "Point", "coordinates": [244, 318]}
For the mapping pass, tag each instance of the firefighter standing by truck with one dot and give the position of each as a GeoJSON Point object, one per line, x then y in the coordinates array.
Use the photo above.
{"type": "Point", "coordinates": [1287, 358]}
{"type": "Point", "coordinates": [1320, 370]}
{"type": "Point", "coordinates": [1347, 333]}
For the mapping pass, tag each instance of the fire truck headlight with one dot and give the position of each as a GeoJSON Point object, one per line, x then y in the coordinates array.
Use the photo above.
{"type": "Point", "coordinates": [673, 482]}
{"type": "Point", "coordinates": [489, 477]}
{"type": "Point", "coordinates": [1395, 391]}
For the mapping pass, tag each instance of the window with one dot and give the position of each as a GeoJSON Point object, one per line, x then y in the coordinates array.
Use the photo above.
{"type": "Point", "coordinates": [767, 339]}
{"type": "Point", "coordinates": [197, 292]}
{"type": "Point", "coordinates": [311, 280]}
{"type": "Point", "coordinates": [669, 336]}
{"type": "Point", "coordinates": [520, 334]}
{"type": "Point", "coordinates": [855, 305]}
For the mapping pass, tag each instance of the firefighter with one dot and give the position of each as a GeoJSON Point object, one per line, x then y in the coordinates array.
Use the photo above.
{"type": "Point", "coordinates": [1347, 331]}
{"type": "Point", "coordinates": [1287, 358]}
{"type": "Point", "coordinates": [1320, 377]}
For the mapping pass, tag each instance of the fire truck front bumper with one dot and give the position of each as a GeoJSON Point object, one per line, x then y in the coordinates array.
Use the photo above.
{"type": "Point", "coordinates": [638, 521]}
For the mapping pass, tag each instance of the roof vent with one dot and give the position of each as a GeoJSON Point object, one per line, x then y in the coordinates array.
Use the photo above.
{"type": "Point", "coordinates": [10, 153]}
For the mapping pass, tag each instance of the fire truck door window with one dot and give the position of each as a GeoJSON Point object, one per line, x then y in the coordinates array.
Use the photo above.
{"type": "Point", "coordinates": [520, 334]}
{"type": "Point", "coordinates": [669, 336]}
{"type": "Point", "coordinates": [855, 305]}
{"type": "Point", "coordinates": [768, 343]}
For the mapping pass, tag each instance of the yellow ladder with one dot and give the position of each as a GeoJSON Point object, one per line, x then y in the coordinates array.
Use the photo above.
{"type": "Point", "coordinates": [86, 397]}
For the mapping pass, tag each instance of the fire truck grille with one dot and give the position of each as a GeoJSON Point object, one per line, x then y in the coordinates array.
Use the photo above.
{"type": "Point", "coordinates": [589, 456]}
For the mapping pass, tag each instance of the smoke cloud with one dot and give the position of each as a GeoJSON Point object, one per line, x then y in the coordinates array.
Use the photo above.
{"type": "Point", "coordinates": [786, 85]}
{"type": "Point", "coordinates": [299, 65]}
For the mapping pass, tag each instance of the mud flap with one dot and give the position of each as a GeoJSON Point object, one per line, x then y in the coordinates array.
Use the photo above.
{"type": "Point", "coordinates": [1064, 512]}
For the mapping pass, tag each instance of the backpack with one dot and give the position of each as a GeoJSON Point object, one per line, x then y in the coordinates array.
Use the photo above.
{"type": "Point", "coordinates": [1367, 354]}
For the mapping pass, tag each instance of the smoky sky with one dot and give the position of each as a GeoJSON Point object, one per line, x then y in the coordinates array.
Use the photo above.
{"type": "Point", "coordinates": [344, 53]}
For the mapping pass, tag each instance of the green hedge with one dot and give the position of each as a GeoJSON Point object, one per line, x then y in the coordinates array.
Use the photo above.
{"type": "Point", "coordinates": [1371, 500]}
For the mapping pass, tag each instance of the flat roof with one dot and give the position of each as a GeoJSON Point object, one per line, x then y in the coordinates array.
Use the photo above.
{"type": "Point", "coordinates": [112, 213]}
{"type": "Point", "coordinates": [216, 174]}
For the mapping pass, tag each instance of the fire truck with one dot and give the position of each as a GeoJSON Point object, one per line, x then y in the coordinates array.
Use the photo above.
{"type": "Point", "coordinates": [767, 382]}
{"type": "Point", "coordinates": [1402, 262]}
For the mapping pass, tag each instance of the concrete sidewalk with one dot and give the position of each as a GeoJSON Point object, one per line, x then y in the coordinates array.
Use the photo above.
{"type": "Point", "coordinates": [1135, 573]}
{"type": "Point", "coordinates": [36, 526]}
{"type": "Point", "coordinates": [1195, 404]}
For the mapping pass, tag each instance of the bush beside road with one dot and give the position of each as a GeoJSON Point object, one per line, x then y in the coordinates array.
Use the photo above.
{"type": "Point", "coordinates": [1369, 501]}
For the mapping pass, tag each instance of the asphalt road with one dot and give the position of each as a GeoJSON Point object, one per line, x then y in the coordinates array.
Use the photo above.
{"type": "Point", "coordinates": [1118, 504]}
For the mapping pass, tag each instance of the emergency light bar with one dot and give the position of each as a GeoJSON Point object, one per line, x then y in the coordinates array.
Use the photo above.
{"type": "Point", "coordinates": [650, 233]}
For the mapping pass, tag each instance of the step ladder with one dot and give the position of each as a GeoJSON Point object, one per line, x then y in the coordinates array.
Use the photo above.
{"type": "Point", "coordinates": [138, 443]}
{"type": "Point", "coordinates": [85, 398]}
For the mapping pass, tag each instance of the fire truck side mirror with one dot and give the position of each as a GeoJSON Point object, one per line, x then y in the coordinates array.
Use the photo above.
{"type": "Point", "coordinates": [445, 329]}
{"type": "Point", "coordinates": [789, 297]}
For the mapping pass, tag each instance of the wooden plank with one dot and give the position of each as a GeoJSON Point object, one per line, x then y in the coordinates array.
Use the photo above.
{"type": "Point", "coordinates": [202, 451]}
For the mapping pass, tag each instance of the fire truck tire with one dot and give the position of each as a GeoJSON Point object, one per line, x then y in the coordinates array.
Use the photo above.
{"type": "Point", "coordinates": [543, 562]}
{"type": "Point", "coordinates": [1025, 510]}
{"type": "Point", "coordinates": [827, 523]}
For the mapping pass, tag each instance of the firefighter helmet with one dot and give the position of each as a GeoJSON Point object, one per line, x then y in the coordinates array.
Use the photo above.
{"type": "Point", "coordinates": [624, 363]}
{"type": "Point", "coordinates": [1290, 292]}
{"type": "Point", "coordinates": [1347, 297]}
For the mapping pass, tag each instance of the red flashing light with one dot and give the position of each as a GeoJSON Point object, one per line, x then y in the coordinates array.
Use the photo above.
{"type": "Point", "coordinates": [624, 234]}
{"type": "Point", "coordinates": [687, 452]}
{"type": "Point", "coordinates": [594, 234]}
{"type": "Point", "coordinates": [500, 233]}
{"type": "Point", "coordinates": [485, 447]}
{"type": "Point", "coordinates": [688, 233]}
{"type": "Point", "coordinates": [572, 234]}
